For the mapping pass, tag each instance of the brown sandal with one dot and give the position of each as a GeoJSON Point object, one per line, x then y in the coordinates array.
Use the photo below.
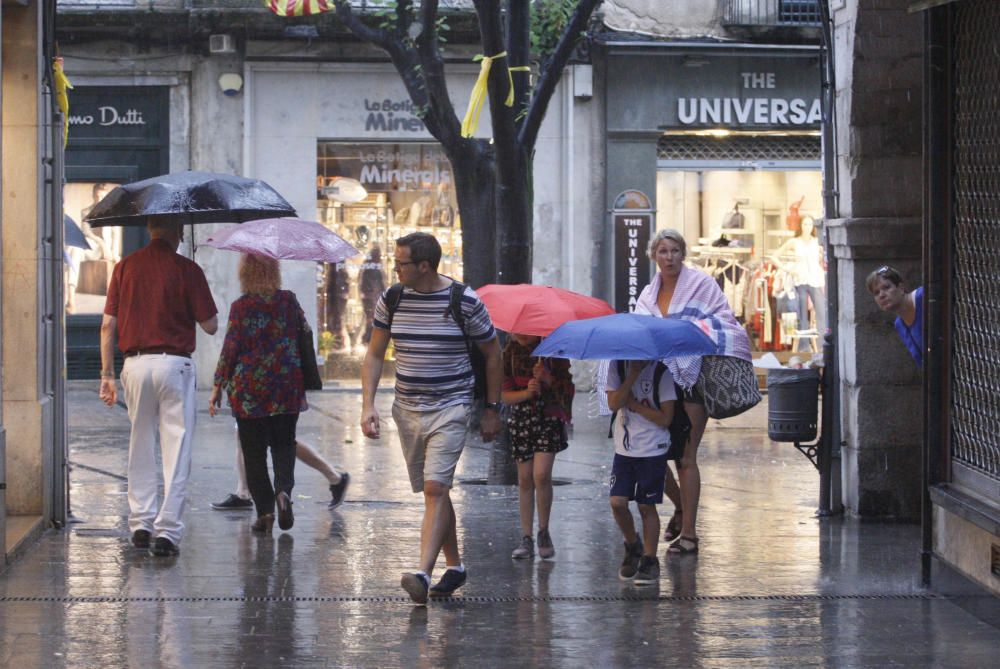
{"type": "Point", "coordinates": [673, 527]}
{"type": "Point", "coordinates": [684, 546]}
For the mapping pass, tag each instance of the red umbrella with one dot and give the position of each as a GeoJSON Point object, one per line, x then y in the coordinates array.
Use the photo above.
{"type": "Point", "coordinates": [538, 310]}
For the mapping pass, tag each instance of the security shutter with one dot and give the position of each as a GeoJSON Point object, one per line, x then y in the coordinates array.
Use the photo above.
{"type": "Point", "coordinates": [975, 298]}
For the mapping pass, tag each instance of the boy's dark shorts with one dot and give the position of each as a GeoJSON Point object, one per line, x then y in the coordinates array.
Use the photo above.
{"type": "Point", "coordinates": [639, 479]}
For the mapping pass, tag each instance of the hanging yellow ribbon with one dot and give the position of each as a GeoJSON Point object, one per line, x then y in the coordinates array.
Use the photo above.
{"type": "Point", "coordinates": [61, 82]}
{"type": "Point", "coordinates": [471, 121]}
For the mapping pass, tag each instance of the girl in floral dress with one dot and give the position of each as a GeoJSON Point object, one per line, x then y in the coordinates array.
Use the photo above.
{"type": "Point", "coordinates": [539, 393]}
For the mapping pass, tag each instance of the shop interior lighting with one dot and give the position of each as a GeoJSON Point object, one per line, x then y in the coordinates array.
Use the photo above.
{"type": "Point", "coordinates": [726, 132]}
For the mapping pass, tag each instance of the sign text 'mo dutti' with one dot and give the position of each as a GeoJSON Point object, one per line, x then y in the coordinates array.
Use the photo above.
{"type": "Point", "coordinates": [109, 115]}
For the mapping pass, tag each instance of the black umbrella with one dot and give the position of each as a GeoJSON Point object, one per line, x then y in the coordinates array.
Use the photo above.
{"type": "Point", "coordinates": [190, 197]}
{"type": "Point", "coordinates": [73, 235]}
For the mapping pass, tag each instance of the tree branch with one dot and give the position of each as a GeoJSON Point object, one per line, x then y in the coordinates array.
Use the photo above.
{"type": "Point", "coordinates": [518, 51]}
{"type": "Point", "coordinates": [492, 38]}
{"type": "Point", "coordinates": [429, 53]}
{"type": "Point", "coordinates": [404, 19]}
{"type": "Point", "coordinates": [549, 76]}
{"type": "Point", "coordinates": [351, 21]}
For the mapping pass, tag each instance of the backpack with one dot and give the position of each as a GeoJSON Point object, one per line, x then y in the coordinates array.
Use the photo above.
{"type": "Point", "coordinates": [394, 295]}
{"type": "Point", "coordinates": [680, 426]}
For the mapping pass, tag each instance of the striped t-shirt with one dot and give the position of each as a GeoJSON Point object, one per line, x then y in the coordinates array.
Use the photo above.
{"type": "Point", "coordinates": [433, 370]}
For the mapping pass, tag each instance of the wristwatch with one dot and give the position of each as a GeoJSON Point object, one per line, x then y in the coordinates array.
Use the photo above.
{"type": "Point", "coordinates": [492, 405]}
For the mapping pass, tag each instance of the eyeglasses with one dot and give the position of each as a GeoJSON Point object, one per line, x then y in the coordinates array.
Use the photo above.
{"type": "Point", "coordinates": [403, 263]}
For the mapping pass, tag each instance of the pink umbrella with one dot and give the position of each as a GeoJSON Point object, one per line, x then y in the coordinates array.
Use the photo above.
{"type": "Point", "coordinates": [284, 239]}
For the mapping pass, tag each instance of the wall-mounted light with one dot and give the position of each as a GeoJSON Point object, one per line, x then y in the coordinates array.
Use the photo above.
{"type": "Point", "coordinates": [695, 61]}
{"type": "Point", "coordinates": [230, 83]}
{"type": "Point", "coordinates": [301, 31]}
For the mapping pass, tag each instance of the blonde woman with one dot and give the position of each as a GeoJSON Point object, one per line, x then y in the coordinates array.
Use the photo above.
{"type": "Point", "coordinates": [260, 370]}
{"type": "Point", "coordinates": [678, 291]}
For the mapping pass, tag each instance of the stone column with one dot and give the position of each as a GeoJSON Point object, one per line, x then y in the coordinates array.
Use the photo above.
{"type": "Point", "coordinates": [878, 51]}
{"type": "Point", "coordinates": [881, 396]}
{"type": "Point", "coordinates": [22, 395]}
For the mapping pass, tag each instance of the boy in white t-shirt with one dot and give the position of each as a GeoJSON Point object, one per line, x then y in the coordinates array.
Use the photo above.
{"type": "Point", "coordinates": [642, 442]}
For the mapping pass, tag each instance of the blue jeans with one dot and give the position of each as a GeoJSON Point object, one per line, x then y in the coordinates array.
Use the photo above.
{"type": "Point", "coordinates": [815, 294]}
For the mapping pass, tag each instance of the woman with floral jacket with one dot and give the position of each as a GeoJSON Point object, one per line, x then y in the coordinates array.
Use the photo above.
{"type": "Point", "coordinates": [260, 371]}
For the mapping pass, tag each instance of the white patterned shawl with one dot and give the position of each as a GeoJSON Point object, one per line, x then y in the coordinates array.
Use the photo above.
{"type": "Point", "coordinates": [697, 298]}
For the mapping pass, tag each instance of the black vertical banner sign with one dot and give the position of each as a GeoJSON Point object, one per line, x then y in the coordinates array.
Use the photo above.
{"type": "Point", "coordinates": [632, 233]}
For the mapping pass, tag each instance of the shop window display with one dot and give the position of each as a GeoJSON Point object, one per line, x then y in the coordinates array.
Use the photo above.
{"type": "Point", "coordinates": [371, 194]}
{"type": "Point", "coordinates": [88, 271]}
{"type": "Point", "coordinates": [737, 223]}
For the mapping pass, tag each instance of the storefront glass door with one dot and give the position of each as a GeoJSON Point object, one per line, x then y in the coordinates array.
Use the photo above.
{"type": "Point", "coordinates": [371, 194]}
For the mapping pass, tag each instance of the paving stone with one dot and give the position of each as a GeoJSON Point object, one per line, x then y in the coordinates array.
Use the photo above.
{"type": "Point", "coordinates": [772, 585]}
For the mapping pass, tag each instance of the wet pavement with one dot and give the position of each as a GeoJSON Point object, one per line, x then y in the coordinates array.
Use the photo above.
{"type": "Point", "coordinates": [772, 586]}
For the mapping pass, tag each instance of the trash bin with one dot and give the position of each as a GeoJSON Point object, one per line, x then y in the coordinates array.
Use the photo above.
{"type": "Point", "coordinates": [793, 395]}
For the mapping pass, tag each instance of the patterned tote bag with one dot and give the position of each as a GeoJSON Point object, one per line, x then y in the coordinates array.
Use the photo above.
{"type": "Point", "coordinates": [728, 385]}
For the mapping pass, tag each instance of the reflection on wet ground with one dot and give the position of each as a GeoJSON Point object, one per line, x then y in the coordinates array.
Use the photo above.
{"type": "Point", "coordinates": [772, 585]}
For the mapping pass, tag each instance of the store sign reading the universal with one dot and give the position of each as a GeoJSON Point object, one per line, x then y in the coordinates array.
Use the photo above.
{"type": "Point", "coordinates": [742, 110]}
{"type": "Point", "coordinates": [391, 116]}
{"type": "Point", "coordinates": [632, 231]}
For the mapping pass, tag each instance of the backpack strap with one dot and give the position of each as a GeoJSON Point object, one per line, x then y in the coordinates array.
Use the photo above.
{"type": "Point", "coordinates": [455, 305]}
{"type": "Point", "coordinates": [393, 296]}
{"type": "Point", "coordinates": [455, 311]}
{"type": "Point", "coordinates": [620, 366]}
{"type": "Point", "coordinates": [657, 377]}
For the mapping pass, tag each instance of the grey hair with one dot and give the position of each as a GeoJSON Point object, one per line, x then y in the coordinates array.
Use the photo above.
{"type": "Point", "coordinates": [672, 235]}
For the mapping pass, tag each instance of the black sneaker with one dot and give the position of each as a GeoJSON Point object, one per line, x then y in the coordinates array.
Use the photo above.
{"type": "Point", "coordinates": [233, 503]}
{"type": "Point", "coordinates": [451, 581]}
{"type": "Point", "coordinates": [648, 572]}
{"type": "Point", "coordinates": [416, 585]}
{"type": "Point", "coordinates": [164, 547]}
{"type": "Point", "coordinates": [140, 538]}
{"type": "Point", "coordinates": [337, 490]}
{"type": "Point", "coordinates": [630, 564]}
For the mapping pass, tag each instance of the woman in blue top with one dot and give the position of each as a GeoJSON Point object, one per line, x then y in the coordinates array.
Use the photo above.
{"type": "Point", "coordinates": [886, 286]}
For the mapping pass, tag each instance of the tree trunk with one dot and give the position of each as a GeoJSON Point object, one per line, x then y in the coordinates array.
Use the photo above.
{"type": "Point", "coordinates": [474, 186]}
{"type": "Point", "coordinates": [514, 193]}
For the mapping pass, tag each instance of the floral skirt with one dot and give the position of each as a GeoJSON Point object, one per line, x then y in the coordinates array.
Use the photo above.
{"type": "Point", "coordinates": [530, 431]}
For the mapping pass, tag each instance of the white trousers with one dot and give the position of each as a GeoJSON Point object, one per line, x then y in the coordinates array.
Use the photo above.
{"type": "Point", "coordinates": [160, 395]}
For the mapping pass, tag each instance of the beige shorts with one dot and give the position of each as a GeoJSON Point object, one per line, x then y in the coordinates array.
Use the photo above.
{"type": "Point", "coordinates": [432, 442]}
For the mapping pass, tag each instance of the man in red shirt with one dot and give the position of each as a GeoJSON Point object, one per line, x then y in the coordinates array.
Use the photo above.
{"type": "Point", "coordinates": [154, 301]}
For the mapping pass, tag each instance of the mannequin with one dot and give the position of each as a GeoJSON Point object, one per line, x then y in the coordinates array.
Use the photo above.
{"type": "Point", "coordinates": [338, 289]}
{"type": "Point", "coordinates": [794, 218]}
{"type": "Point", "coordinates": [802, 257]}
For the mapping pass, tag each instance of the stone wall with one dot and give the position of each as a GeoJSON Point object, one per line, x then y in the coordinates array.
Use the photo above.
{"type": "Point", "coordinates": [680, 18]}
{"type": "Point", "coordinates": [879, 58]}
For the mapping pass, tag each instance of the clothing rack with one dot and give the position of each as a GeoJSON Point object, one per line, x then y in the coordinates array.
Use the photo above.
{"type": "Point", "coordinates": [721, 251]}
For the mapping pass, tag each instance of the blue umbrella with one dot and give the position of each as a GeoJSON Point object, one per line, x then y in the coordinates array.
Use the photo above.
{"type": "Point", "coordinates": [73, 235]}
{"type": "Point", "coordinates": [626, 337]}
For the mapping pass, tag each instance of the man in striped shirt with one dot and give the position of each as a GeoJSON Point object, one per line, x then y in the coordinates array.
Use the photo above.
{"type": "Point", "coordinates": [434, 394]}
